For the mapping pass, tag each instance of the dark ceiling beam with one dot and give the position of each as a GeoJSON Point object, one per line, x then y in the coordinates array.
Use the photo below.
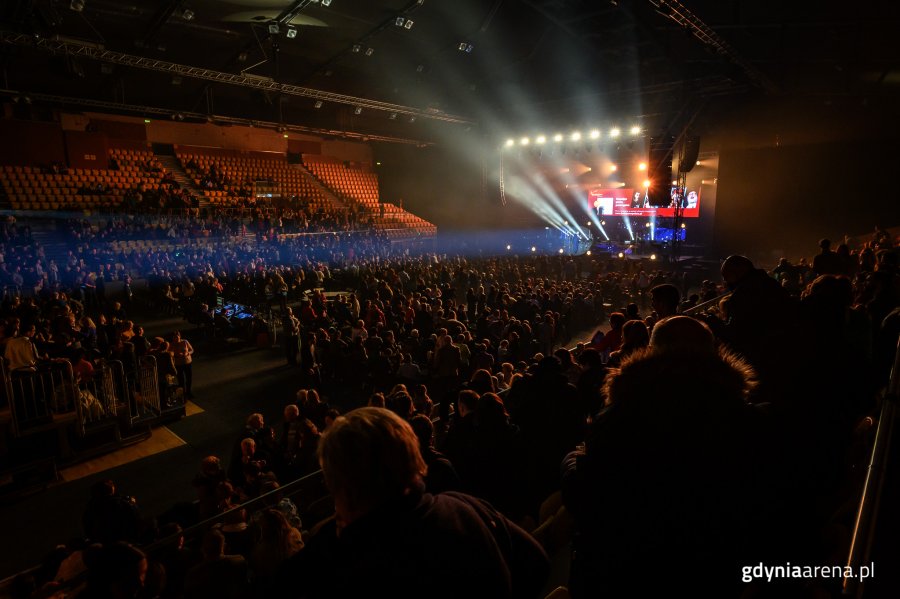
{"type": "Point", "coordinates": [161, 17]}
{"type": "Point", "coordinates": [97, 52]}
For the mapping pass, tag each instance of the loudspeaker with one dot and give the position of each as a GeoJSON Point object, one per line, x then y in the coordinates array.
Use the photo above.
{"type": "Point", "coordinates": [660, 173]}
{"type": "Point", "coordinates": [691, 152]}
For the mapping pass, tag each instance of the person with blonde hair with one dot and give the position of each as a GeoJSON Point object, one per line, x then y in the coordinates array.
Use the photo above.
{"type": "Point", "coordinates": [391, 538]}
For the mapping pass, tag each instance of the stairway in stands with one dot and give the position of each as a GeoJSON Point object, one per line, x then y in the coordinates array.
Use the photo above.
{"type": "Point", "coordinates": [173, 167]}
{"type": "Point", "coordinates": [51, 238]}
{"type": "Point", "coordinates": [336, 202]}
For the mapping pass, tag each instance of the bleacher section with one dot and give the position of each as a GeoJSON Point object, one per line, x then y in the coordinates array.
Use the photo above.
{"type": "Point", "coordinates": [361, 187]}
{"type": "Point", "coordinates": [28, 188]}
{"type": "Point", "coordinates": [246, 170]}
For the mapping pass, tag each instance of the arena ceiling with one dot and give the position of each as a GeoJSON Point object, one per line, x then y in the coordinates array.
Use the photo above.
{"type": "Point", "coordinates": [488, 63]}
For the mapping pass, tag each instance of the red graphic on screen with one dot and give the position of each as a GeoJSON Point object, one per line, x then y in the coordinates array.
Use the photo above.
{"type": "Point", "coordinates": [636, 202]}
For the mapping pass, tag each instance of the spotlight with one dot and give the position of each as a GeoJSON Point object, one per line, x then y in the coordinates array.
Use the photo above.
{"type": "Point", "coordinates": [462, 46]}
{"type": "Point", "coordinates": [621, 255]}
{"type": "Point", "coordinates": [653, 256]}
{"type": "Point", "coordinates": [560, 250]}
{"type": "Point", "coordinates": [683, 226]}
{"type": "Point", "coordinates": [588, 223]}
{"type": "Point", "coordinates": [540, 139]}
{"type": "Point", "coordinates": [357, 110]}
{"type": "Point", "coordinates": [356, 48]}
{"type": "Point", "coordinates": [291, 33]}
{"type": "Point", "coordinates": [602, 223]}
{"type": "Point", "coordinates": [285, 135]}
{"type": "Point", "coordinates": [393, 116]}
{"type": "Point", "coordinates": [326, 3]}
{"type": "Point", "coordinates": [615, 132]}
{"type": "Point", "coordinates": [77, 5]}
{"type": "Point", "coordinates": [524, 141]}
{"type": "Point", "coordinates": [318, 104]}
{"type": "Point", "coordinates": [588, 252]}
{"type": "Point", "coordinates": [698, 163]}
{"type": "Point", "coordinates": [642, 166]}
{"type": "Point", "coordinates": [408, 24]}
{"type": "Point", "coordinates": [146, 121]}
{"type": "Point", "coordinates": [469, 48]}
{"type": "Point", "coordinates": [635, 130]}
{"type": "Point", "coordinates": [647, 225]}
{"type": "Point", "coordinates": [370, 51]}
{"type": "Point", "coordinates": [558, 137]}
{"type": "Point", "coordinates": [575, 136]}
{"type": "Point", "coordinates": [595, 134]}
{"type": "Point", "coordinates": [533, 249]}
{"type": "Point", "coordinates": [613, 168]}
{"type": "Point", "coordinates": [273, 28]}
{"type": "Point", "coordinates": [509, 247]}
{"type": "Point", "coordinates": [510, 143]}
{"type": "Point", "coordinates": [646, 182]}
{"type": "Point", "coordinates": [412, 118]}
{"type": "Point", "coordinates": [187, 14]}
{"type": "Point", "coordinates": [399, 21]}
{"type": "Point", "coordinates": [674, 182]}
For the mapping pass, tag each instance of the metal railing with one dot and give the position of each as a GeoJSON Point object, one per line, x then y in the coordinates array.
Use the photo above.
{"type": "Point", "coordinates": [38, 396]}
{"type": "Point", "coordinates": [308, 493]}
{"type": "Point", "coordinates": [703, 306]}
{"type": "Point", "coordinates": [870, 500]}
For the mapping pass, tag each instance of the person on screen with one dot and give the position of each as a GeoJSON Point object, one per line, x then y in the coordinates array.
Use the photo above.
{"type": "Point", "coordinates": [692, 199]}
{"type": "Point", "coordinates": [598, 205]}
{"type": "Point", "coordinates": [636, 201]}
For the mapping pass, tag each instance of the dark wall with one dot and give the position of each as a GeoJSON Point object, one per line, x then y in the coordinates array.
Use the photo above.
{"type": "Point", "coordinates": [781, 200]}
{"type": "Point", "coordinates": [31, 143]}
{"type": "Point", "coordinates": [87, 149]}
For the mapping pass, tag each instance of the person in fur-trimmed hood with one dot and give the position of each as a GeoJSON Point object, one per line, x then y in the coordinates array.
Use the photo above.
{"type": "Point", "coordinates": [668, 482]}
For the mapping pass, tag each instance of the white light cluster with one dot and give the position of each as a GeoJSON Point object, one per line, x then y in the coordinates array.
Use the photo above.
{"type": "Point", "coordinates": [576, 136]}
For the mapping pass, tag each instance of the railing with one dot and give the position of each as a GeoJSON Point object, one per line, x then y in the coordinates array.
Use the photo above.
{"type": "Point", "coordinates": [144, 397]}
{"type": "Point", "coordinates": [98, 398]}
{"type": "Point", "coordinates": [702, 306]}
{"type": "Point", "coordinates": [308, 493]}
{"type": "Point", "coordinates": [870, 501]}
{"type": "Point", "coordinates": [39, 396]}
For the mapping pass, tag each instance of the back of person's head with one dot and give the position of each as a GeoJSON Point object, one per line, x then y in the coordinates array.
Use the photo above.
{"type": "Point", "coordinates": [825, 244]}
{"type": "Point", "coordinates": [590, 358]}
{"type": "Point", "coordinates": [370, 456]}
{"type": "Point", "coordinates": [682, 333]}
{"type": "Point", "coordinates": [616, 320]}
{"type": "Point", "coordinates": [467, 400]}
{"type": "Point", "coordinates": [735, 268]}
{"type": "Point", "coordinates": [491, 412]}
{"type": "Point", "coordinates": [665, 298]}
{"type": "Point", "coordinates": [400, 403]}
{"type": "Point", "coordinates": [423, 428]}
{"type": "Point", "coordinates": [481, 381]}
{"type": "Point", "coordinates": [635, 334]}
{"type": "Point", "coordinates": [564, 356]}
{"type": "Point", "coordinates": [210, 466]}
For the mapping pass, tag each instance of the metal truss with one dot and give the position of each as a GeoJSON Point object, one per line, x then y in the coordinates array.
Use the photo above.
{"type": "Point", "coordinates": [147, 111]}
{"type": "Point", "coordinates": [97, 52]}
{"type": "Point", "coordinates": [681, 15]}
